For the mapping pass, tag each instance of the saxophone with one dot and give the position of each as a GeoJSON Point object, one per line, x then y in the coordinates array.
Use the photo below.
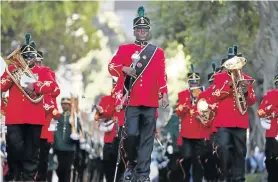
{"type": "Point", "coordinates": [20, 72]}
{"type": "Point", "coordinates": [234, 66]}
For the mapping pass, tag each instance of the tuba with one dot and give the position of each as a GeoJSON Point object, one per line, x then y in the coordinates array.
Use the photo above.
{"type": "Point", "coordinates": [234, 66]}
{"type": "Point", "coordinates": [21, 72]}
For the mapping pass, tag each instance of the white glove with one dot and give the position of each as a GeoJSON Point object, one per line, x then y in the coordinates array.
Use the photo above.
{"type": "Point", "coordinates": [266, 123]}
{"type": "Point", "coordinates": [26, 79]}
{"type": "Point", "coordinates": [170, 149]}
{"type": "Point", "coordinates": [106, 127]}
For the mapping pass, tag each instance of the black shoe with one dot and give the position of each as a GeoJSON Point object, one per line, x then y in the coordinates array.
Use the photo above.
{"type": "Point", "coordinates": [128, 175]}
{"type": "Point", "coordinates": [141, 179]}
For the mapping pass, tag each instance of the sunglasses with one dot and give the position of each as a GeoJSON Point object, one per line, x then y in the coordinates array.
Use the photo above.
{"type": "Point", "coordinates": [193, 81]}
{"type": "Point", "coordinates": [29, 56]}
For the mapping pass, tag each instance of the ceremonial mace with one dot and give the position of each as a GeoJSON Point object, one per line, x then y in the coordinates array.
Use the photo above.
{"type": "Point", "coordinates": [135, 58]}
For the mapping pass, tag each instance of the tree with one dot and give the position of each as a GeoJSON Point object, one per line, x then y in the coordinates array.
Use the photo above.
{"type": "Point", "coordinates": [265, 63]}
{"type": "Point", "coordinates": [207, 29]}
{"type": "Point", "coordinates": [58, 28]}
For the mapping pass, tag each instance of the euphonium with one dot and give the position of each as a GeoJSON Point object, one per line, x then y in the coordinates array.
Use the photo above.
{"type": "Point", "coordinates": [234, 66]}
{"type": "Point", "coordinates": [21, 69]}
{"type": "Point", "coordinates": [73, 120]}
{"type": "Point", "coordinates": [205, 111]}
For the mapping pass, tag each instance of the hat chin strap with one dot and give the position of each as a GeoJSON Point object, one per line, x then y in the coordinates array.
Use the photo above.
{"type": "Point", "coordinates": [141, 42]}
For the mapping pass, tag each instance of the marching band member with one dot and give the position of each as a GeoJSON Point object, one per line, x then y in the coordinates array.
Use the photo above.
{"type": "Point", "coordinates": [149, 83]}
{"type": "Point", "coordinates": [64, 145]}
{"type": "Point", "coordinates": [234, 96]}
{"type": "Point", "coordinates": [269, 109]}
{"type": "Point", "coordinates": [175, 170]}
{"type": "Point", "coordinates": [47, 137]}
{"type": "Point", "coordinates": [191, 129]}
{"type": "Point", "coordinates": [25, 114]}
{"type": "Point", "coordinates": [208, 160]}
{"type": "Point", "coordinates": [109, 125]}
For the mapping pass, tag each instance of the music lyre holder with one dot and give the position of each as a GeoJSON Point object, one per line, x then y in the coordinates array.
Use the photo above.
{"type": "Point", "coordinates": [121, 136]}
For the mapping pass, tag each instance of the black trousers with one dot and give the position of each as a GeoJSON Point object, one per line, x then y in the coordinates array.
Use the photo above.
{"type": "Point", "coordinates": [175, 170]}
{"type": "Point", "coordinates": [210, 160]}
{"type": "Point", "coordinates": [79, 165]}
{"type": "Point", "coordinates": [95, 169]}
{"type": "Point", "coordinates": [271, 161]}
{"type": "Point", "coordinates": [43, 160]}
{"type": "Point", "coordinates": [49, 176]}
{"type": "Point", "coordinates": [110, 154]}
{"type": "Point", "coordinates": [192, 150]}
{"type": "Point", "coordinates": [65, 160]}
{"type": "Point", "coordinates": [232, 153]}
{"type": "Point", "coordinates": [23, 141]}
{"type": "Point", "coordinates": [14, 165]}
{"type": "Point", "coordinates": [141, 121]}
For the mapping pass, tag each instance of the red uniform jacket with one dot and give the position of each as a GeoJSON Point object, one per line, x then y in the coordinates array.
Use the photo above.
{"type": "Point", "coordinates": [51, 111]}
{"type": "Point", "coordinates": [228, 114]}
{"type": "Point", "coordinates": [213, 106]}
{"type": "Point", "coordinates": [120, 100]}
{"type": "Point", "coordinates": [108, 107]}
{"type": "Point", "coordinates": [269, 105]}
{"type": "Point", "coordinates": [190, 127]}
{"type": "Point", "coordinates": [20, 110]}
{"type": "Point", "coordinates": [151, 83]}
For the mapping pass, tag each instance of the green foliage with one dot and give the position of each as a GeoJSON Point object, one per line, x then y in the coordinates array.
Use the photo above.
{"type": "Point", "coordinates": [206, 29]}
{"type": "Point", "coordinates": [58, 28]}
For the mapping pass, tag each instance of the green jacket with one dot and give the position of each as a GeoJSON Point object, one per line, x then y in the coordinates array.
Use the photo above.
{"type": "Point", "coordinates": [62, 140]}
{"type": "Point", "coordinates": [173, 128]}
